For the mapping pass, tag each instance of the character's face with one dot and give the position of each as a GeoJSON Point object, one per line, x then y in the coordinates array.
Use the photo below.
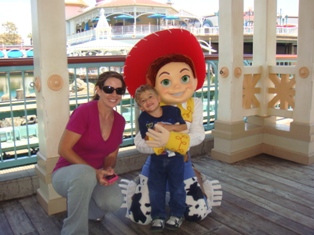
{"type": "Point", "coordinates": [149, 101]}
{"type": "Point", "coordinates": [175, 83]}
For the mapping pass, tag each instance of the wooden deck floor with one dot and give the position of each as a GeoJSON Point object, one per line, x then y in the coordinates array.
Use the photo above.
{"type": "Point", "coordinates": [261, 195]}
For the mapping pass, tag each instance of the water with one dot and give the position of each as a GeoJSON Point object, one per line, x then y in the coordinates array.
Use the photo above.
{"type": "Point", "coordinates": [16, 81]}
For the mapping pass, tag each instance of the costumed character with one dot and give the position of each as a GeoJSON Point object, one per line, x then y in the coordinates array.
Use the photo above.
{"type": "Point", "coordinates": [173, 62]}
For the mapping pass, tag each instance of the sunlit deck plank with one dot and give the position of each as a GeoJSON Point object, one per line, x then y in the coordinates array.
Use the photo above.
{"type": "Point", "coordinates": [42, 223]}
{"type": "Point", "coordinates": [279, 203]}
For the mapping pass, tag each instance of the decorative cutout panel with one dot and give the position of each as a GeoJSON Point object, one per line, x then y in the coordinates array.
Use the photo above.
{"type": "Point", "coordinates": [249, 99]}
{"type": "Point", "coordinates": [284, 91]}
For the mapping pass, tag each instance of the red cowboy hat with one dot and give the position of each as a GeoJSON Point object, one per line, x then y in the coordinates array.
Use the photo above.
{"type": "Point", "coordinates": [161, 43]}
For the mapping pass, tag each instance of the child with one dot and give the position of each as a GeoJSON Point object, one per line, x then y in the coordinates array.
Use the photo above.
{"type": "Point", "coordinates": [166, 168]}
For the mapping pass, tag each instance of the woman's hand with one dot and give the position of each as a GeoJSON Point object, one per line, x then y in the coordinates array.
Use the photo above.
{"type": "Point", "coordinates": [101, 175]}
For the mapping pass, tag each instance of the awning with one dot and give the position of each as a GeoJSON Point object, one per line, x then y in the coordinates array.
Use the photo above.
{"type": "Point", "coordinates": [102, 45]}
{"type": "Point", "coordinates": [15, 53]}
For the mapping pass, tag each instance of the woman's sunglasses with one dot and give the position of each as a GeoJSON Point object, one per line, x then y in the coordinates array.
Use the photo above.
{"type": "Point", "coordinates": [110, 90]}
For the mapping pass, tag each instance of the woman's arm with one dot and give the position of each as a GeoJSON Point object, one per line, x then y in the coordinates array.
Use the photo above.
{"type": "Point", "coordinates": [111, 160]}
{"type": "Point", "coordinates": [68, 140]}
{"type": "Point", "coordinates": [108, 168]}
{"type": "Point", "coordinates": [66, 144]}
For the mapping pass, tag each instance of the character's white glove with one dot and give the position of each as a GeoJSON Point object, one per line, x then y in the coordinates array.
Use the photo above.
{"type": "Point", "coordinates": [160, 137]}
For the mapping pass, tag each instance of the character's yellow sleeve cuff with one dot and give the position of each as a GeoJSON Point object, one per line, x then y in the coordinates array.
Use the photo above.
{"type": "Point", "coordinates": [178, 142]}
{"type": "Point", "coordinates": [158, 151]}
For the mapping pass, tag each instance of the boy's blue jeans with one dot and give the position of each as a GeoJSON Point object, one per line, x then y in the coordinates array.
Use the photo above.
{"type": "Point", "coordinates": [166, 173]}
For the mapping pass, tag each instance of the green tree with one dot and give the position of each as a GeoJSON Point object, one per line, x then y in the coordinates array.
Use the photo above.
{"type": "Point", "coordinates": [10, 35]}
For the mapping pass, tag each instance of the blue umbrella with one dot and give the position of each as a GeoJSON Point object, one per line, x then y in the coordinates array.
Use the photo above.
{"type": "Point", "coordinates": [156, 16]}
{"type": "Point", "coordinates": [95, 19]}
{"type": "Point", "coordinates": [171, 17]}
{"type": "Point", "coordinates": [14, 53]}
{"type": "Point", "coordinates": [30, 53]}
{"type": "Point", "coordinates": [123, 17]}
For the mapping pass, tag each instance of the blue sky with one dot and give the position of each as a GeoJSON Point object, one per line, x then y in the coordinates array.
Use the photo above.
{"type": "Point", "coordinates": [19, 11]}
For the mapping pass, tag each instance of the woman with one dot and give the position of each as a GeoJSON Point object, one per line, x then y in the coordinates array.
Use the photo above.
{"type": "Point", "coordinates": [88, 150]}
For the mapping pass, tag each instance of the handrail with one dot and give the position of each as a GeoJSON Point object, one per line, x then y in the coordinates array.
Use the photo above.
{"type": "Point", "coordinates": [117, 58]}
{"type": "Point", "coordinates": [71, 60]}
{"type": "Point", "coordinates": [208, 94]}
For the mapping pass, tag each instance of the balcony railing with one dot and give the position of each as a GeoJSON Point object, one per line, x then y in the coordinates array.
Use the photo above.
{"type": "Point", "coordinates": [18, 116]}
{"type": "Point", "coordinates": [138, 31]}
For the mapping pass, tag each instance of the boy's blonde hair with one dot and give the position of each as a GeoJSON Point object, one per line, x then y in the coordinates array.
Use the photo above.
{"type": "Point", "coordinates": [140, 90]}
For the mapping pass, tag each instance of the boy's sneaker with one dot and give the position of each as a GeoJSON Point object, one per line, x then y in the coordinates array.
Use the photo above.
{"type": "Point", "coordinates": [157, 225]}
{"type": "Point", "coordinates": [173, 223]}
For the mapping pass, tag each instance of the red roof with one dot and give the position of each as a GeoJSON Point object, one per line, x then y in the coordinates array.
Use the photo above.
{"type": "Point", "coordinates": [76, 3]}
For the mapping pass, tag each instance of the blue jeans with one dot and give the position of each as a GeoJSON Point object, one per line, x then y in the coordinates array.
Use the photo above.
{"type": "Point", "coordinates": [86, 198]}
{"type": "Point", "coordinates": [166, 173]}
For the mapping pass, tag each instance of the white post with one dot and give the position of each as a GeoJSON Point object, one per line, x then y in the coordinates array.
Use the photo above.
{"type": "Point", "coordinates": [229, 122]}
{"type": "Point", "coordinates": [52, 96]}
{"type": "Point", "coordinates": [233, 140]}
{"type": "Point", "coordinates": [303, 115]}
